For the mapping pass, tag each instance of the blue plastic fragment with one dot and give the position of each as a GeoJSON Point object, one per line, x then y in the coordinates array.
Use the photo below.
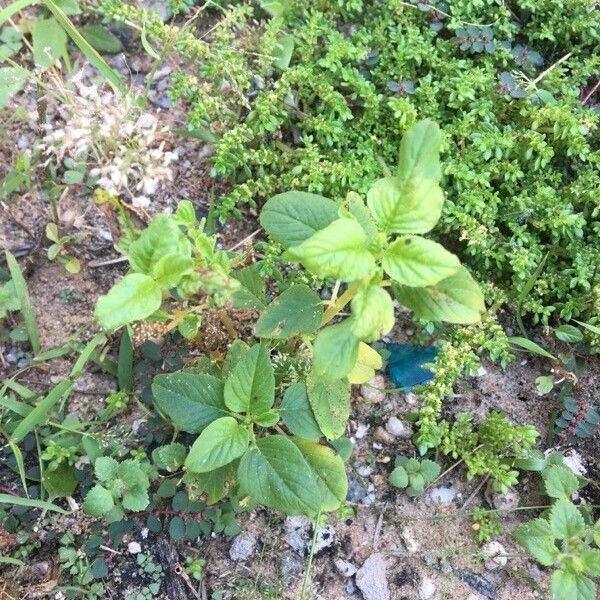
{"type": "Point", "coordinates": [405, 364]}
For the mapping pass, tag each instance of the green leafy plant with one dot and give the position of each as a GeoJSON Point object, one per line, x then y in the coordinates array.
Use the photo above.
{"type": "Point", "coordinates": [564, 538]}
{"type": "Point", "coordinates": [123, 486]}
{"type": "Point", "coordinates": [486, 525]}
{"type": "Point", "coordinates": [413, 475]}
{"type": "Point", "coordinates": [58, 249]}
{"type": "Point", "coordinates": [164, 259]}
{"type": "Point", "coordinates": [361, 244]}
{"type": "Point", "coordinates": [231, 456]}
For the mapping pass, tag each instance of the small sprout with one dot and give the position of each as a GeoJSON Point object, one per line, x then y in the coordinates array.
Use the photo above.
{"type": "Point", "coordinates": [508, 85]}
{"type": "Point", "coordinates": [413, 475]}
{"type": "Point", "coordinates": [402, 87]}
{"type": "Point", "coordinates": [526, 57]}
{"type": "Point", "coordinates": [476, 39]}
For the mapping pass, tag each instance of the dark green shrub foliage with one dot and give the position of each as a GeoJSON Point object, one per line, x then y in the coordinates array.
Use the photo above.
{"type": "Point", "coordinates": [520, 158]}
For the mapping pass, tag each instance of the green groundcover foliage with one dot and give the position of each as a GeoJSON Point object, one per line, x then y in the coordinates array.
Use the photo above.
{"type": "Point", "coordinates": [314, 95]}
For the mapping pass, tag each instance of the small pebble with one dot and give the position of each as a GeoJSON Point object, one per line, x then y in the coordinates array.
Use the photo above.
{"type": "Point", "coordinates": [410, 543]}
{"type": "Point", "coordinates": [508, 501]}
{"type": "Point", "coordinates": [325, 538]}
{"type": "Point", "coordinates": [383, 435]}
{"type": "Point", "coordinates": [371, 578]}
{"type": "Point", "coordinates": [364, 470]}
{"type": "Point", "coordinates": [345, 568]}
{"type": "Point", "coordinates": [399, 428]}
{"type": "Point", "coordinates": [243, 547]}
{"type": "Point", "coordinates": [361, 431]}
{"type": "Point", "coordinates": [442, 495]}
{"type": "Point", "coordinates": [426, 589]}
{"type": "Point", "coordinates": [134, 548]}
{"type": "Point", "coordinates": [371, 392]}
{"type": "Point", "coordinates": [495, 556]}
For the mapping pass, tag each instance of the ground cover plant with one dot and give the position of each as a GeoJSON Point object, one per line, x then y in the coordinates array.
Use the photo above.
{"type": "Point", "coordinates": [299, 300]}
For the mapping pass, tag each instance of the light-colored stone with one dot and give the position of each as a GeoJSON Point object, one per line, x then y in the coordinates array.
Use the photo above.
{"type": "Point", "coordinates": [243, 547]}
{"type": "Point", "coordinates": [508, 501]}
{"type": "Point", "coordinates": [399, 428]}
{"type": "Point", "coordinates": [298, 533]}
{"type": "Point", "coordinates": [442, 495]}
{"type": "Point", "coordinates": [382, 435]}
{"type": "Point", "coordinates": [344, 567]}
{"type": "Point", "coordinates": [495, 556]}
{"type": "Point", "coordinates": [410, 543]}
{"type": "Point", "coordinates": [361, 431]}
{"type": "Point", "coordinates": [134, 548]}
{"type": "Point", "coordinates": [371, 392]}
{"type": "Point", "coordinates": [325, 538]}
{"type": "Point", "coordinates": [371, 578]}
{"type": "Point", "coordinates": [426, 589]}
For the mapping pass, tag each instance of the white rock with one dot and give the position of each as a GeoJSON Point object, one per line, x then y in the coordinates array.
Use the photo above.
{"type": "Point", "coordinates": [399, 428]}
{"type": "Point", "coordinates": [495, 556]}
{"type": "Point", "coordinates": [298, 533]}
{"type": "Point", "coordinates": [410, 543]}
{"type": "Point", "coordinates": [134, 548]}
{"type": "Point", "coordinates": [442, 495]}
{"type": "Point", "coordinates": [325, 538]}
{"type": "Point", "coordinates": [364, 470]}
{"type": "Point", "coordinates": [371, 392]}
{"type": "Point", "coordinates": [574, 461]}
{"type": "Point", "coordinates": [426, 589]}
{"type": "Point", "coordinates": [371, 578]}
{"type": "Point", "coordinates": [344, 567]}
{"type": "Point", "coordinates": [361, 431]}
{"type": "Point", "coordinates": [508, 501]}
{"type": "Point", "coordinates": [243, 547]}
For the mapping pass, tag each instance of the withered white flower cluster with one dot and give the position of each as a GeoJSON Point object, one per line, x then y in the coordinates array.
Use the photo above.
{"type": "Point", "coordinates": [121, 144]}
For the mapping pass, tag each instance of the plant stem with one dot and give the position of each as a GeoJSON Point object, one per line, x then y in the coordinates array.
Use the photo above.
{"type": "Point", "coordinates": [339, 304]}
{"type": "Point", "coordinates": [311, 555]}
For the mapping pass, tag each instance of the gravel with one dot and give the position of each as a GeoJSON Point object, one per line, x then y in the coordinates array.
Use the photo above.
{"type": "Point", "coordinates": [426, 589]}
{"type": "Point", "coordinates": [399, 428]}
{"type": "Point", "coordinates": [344, 567]}
{"type": "Point", "coordinates": [371, 578]}
{"type": "Point", "coordinates": [371, 392]}
{"type": "Point", "coordinates": [243, 547]}
{"type": "Point", "coordinates": [508, 501]}
{"type": "Point", "coordinates": [495, 556]}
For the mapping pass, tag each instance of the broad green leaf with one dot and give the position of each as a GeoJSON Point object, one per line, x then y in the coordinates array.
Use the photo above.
{"type": "Point", "coordinates": [412, 201]}
{"type": "Point", "coordinates": [335, 350]}
{"type": "Point", "coordinates": [537, 538]}
{"type": "Point", "coordinates": [267, 419]}
{"type": "Point", "coordinates": [414, 208]}
{"type": "Point", "coordinates": [429, 469]}
{"type": "Point", "coordinates": [456, 299]}
{"type": "Point", "coordinates": [276, 8]}
{"type": "Point", "coordinates": [560, 482]}
{"type": "Point", "coordinates": [357, 208]}
{"type": "Point", "coordinates": [168, 270]}
{"type": "Point", "coordinates": [49, 42]}
{"type": "Point", "coordinates": [282, 53]}
{"type": "Point", "coordinates": [544, 383]}
{"type": "Point", "coordinates": [101, 39]}
{"type": "Point", "coordinates": [251, 292]}
{"type": "Point", "coordinates": [275, 473]}
{"type": "Point", "coordinates": [105, 468]}
{"type": "Point", "coordinates": [98, 501]}
{"type": "Point", "coordinates": [191, 400]}
{"type": "Point", "coordinates": [330, 402]}
{"type": "Point", "coordinates": [568, 333]}
{"type": "Point", "coordinates": [597, 532]}
{"type": "Point", "coordinates": [339, 250]}
{"type": "Point", "coordinates": [237, 349]}
{"type": "Point", "coordinates": [12, 81]}
{"type": "Point", "coordinates": [417, 262]}
{"type": "Point", "coordinates": [589, 327]}
{"type": "Point", "coordinates": [367, 362]}
{"type": "Point", "coordinates": [591, 561]}
{"type": "Point", "coordinates": [61, 482]}
{"type": "Point", "coordinates": [216, 484]}
{"type": "Point", "coordinates": [530, 346]}
{"type": "Point", "coordinates": [250, 387]}
{"type": "Point", "coordinates": [297, 310]}
{"type": "Point", "coordinates": [169, 457]}
{"type": "Point", "coordinates": [160, 238]}
{"type": "Point", "coordinates": [372, 313]}
{"type": "Point", "coordinates": [293, 217]}
{"type": "Point", "coordinates": [399, 478]}
{"type": "Point", "coordinates": [566, 585]}
{"type": "Point", "coordinates": [565, 520]}
{"type": "Point", "coordinates": [221, 442]}
{"type": "Point", "coordinates": [329, 471]}
{"type": "Point", "coordinates": [297, 414]}
{"type": "Point", "coordinates": [135, 297]}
